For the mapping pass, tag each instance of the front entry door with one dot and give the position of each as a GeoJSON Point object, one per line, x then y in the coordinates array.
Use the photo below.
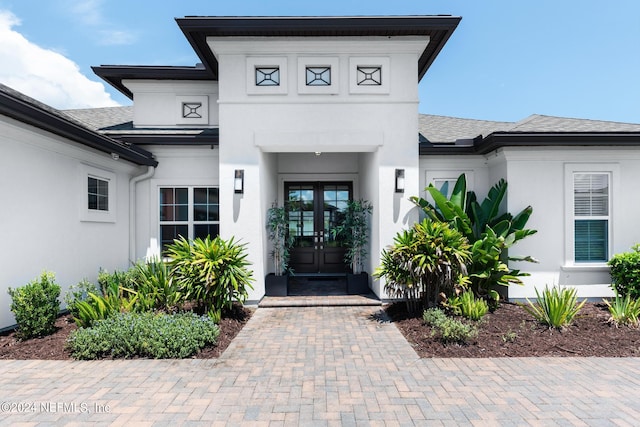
{"type": "Point", "coordinates": [315, 209]}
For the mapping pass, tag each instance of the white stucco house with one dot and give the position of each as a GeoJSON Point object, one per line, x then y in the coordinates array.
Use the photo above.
{"type": "Point", "coordinates": [318, 109]}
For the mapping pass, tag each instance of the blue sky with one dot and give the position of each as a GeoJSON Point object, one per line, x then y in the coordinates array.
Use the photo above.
{"type": "Point", "coordinates": [507, 59]}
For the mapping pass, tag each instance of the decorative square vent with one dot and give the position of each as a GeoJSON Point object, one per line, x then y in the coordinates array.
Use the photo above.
{"type": "Point", "coordinates": [267, 76]}
{"type": "Point", "coordinates": [318, 76]}
{"type": "Point", "coordinates": [190, 110]}
{"type": "Point", "coordinates": [369, 76]}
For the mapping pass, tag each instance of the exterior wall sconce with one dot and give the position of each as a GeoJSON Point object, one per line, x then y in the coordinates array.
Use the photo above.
{"type": "Point", "coordinates": [238, 181]}
{"type": "Point", "coordinates": [399, 180]}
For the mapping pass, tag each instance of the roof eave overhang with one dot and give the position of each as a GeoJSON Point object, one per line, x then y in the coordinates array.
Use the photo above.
{"type": "Point", "coordinates": [115, 74]}
{"type": "Point", "coordinates": [212, 139]}
{"type": "Point", "coordinates": [438, 28]}
{"type": "Point", "coordinates": [45, 120]}
{"type": "Point", "coordinates": [499, 140]}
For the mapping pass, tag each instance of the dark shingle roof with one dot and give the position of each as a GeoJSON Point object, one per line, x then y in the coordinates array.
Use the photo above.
{"type": "Point", "coordinates": [100, 118]}
{"type": "Point", "coordinates": [540, 123]}
{"type": "Point", "coordinates": [117, 123]}
{"type": "Point", "coordinates": [443, 130]}
{"type": "Point", "coordinates": [442, 135]}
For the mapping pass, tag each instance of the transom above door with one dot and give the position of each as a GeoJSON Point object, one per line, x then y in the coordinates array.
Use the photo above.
{"type": "Point", "coordinates": [314, 210]}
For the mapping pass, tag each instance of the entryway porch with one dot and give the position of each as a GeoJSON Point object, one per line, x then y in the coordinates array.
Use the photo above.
{"type": "Point", "coordinates": [310, 290]}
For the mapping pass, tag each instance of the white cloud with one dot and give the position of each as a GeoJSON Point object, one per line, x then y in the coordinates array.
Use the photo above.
{"type": "Point", "coordinates": [44, 74]}
{"type": "Point", "coordinates": [89, 13]}
{"type": "Point", "coordinates": [116, 37]}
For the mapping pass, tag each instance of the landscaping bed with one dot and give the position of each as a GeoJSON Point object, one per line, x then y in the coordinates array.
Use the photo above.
{"type": "Point", "coordinates": [52, 347]}
{"type": "Point", "coordinates": [508, 332]}
{"type": "Point", "coordinates": [512, 332]}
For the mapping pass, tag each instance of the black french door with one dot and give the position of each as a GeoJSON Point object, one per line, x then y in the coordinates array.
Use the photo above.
{"type": "Point", "coordinates": [314, 210]}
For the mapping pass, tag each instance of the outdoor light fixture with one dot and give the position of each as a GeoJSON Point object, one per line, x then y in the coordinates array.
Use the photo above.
{"type": "Point", "coordinates": [399, 180]}
{"type": "Point", "coordinates": [238, 181]}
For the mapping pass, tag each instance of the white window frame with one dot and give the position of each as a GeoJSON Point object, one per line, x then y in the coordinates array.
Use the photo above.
{"type": "Point", "coordinates": [190, 223]}
{"type": "Point", "coordinates": [94, 215]}
{"type": "Point", "coordinates": [571, 169]}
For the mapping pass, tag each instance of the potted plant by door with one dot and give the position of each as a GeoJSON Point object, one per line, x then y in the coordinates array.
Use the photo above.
{"type": "Point", "coordinates": [276, 283]}
{"type": "Point", "coordinates": [355, 230]}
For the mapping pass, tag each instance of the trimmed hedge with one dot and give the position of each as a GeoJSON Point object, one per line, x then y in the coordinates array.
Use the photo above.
{"type": "Point", "coordinates": [36, 306]}
{"type": "Point", "coordinates": [625, 272]}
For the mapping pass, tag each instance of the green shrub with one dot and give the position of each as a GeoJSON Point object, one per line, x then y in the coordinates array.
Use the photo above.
{"type": "Point", "coordinates": [455, 331]}
{"type": "Point", "coordinates": [77, 293]}
{"type": "Point", "coordinates": [113, 299]}
{"type": "Point", "coordinates": [434, 316]}
{"type": "Point", "coordinates": [160, 336]}
{"type": "Point", "coordinates": [489, 231]}
{"type": "Point", "coordinates": [123, 279]}
{"type": "Point", "coordinates": [155, 287]}
{"type": "Point", "coordinates": [556, 307]}
{"type": "Point", "coordinates": [624, 310]}
{"type": "Point", "coordinates": [467, 305]}
{"type": "Point", "coordinates": [625, 272]}
{"type": "Point", "coordinates": [95, 307]}
{"type": "Point", "coordinates": [423, 262]}
{"type": "Point", "coordinates": [211, 272]}
{"type": "Point", "coordinates": [36, 306]}
{"type": "Point", "coordinates": [448, 330]}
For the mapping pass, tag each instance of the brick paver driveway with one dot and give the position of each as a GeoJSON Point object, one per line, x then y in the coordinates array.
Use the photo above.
{"type": "Point", "coordinates": [322, 366]}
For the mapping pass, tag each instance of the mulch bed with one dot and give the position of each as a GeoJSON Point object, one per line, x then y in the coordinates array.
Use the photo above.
{"type": "Point", "coordinates": [512, 332]}
{"type": "Point", "coordinates": [52, 347]}
{"type": "Point", "coordinates": [508, 332]}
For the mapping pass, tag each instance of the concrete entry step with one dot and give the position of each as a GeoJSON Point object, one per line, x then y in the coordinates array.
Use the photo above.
{"type": "Point", "coordinates": [319, 291]}
{"type": "Point", "coordinates": [320, 301]}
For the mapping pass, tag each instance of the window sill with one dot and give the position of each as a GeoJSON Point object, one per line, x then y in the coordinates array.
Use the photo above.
{"type": "Point", "coordinates": [586, 267]}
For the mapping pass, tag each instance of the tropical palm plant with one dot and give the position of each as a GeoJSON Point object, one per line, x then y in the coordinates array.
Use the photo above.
{"type": "Point", "coordinates": [424, 261]}
{"type": "Point", "coordinates": [490, 232]}
{"type": "Point", "coordinates": [212, 272]}
{"type": "Point", "coordinates": [155, 287]}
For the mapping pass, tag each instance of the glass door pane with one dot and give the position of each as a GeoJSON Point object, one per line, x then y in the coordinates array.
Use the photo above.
{"type": "Point", "coordinates": [335, 199]}
{"type": "Point", "coordinates": [300, 205]}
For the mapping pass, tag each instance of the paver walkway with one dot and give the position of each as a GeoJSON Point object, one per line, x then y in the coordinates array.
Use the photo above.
{"type": "Point", "coordinates": [322, 366]}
